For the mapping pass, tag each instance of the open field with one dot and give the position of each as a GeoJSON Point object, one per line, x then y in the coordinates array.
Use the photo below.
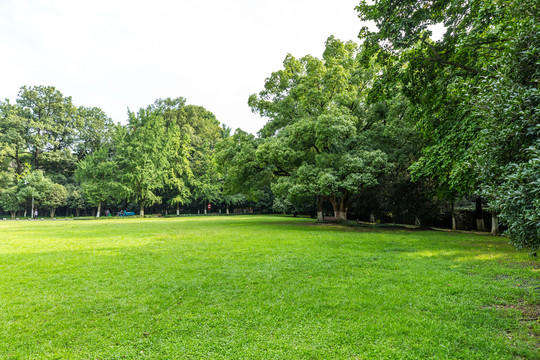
{"type": "Point", "coordinates": [268, 287]}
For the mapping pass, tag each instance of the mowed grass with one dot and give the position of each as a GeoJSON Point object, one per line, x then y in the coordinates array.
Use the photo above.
{"type": "Point", "coordinates": [261, 287]}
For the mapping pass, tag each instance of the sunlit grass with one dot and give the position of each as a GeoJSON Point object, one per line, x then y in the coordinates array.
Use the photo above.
{"type": "Point", "coordinates": [251, 287]}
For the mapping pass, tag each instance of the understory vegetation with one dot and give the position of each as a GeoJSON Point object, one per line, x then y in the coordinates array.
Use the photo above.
{"type": "Point", "coordinates": [261, 287]}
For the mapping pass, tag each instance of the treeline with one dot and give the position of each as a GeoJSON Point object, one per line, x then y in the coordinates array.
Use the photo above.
{"type": "Point", "coordinates": [400, 128]}
{"type": "Point", "coordinates": [56, 155]}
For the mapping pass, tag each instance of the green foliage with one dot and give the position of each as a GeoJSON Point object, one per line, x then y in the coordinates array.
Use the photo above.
{"type": "Point", "coordinates": [75, 199]}
{"type": "Point", "coordinates": [142, 159]}
{"type": "Point", "coordinates": [56, 197]}
{"type": "Point", "coordinates": [474, 92]}
{"type": "Point", "coordinates": [518, 199]}
{"type": "Point", "coordinates": [10, 200]}
{"type": "Point", "coordinates": [94, 131]}
{"type": "Point", "coordinates": [317, 129]}
{"type": "Point", "coordinates": [98, 174]}
{"type": "Point", "coordinates": [243, 172]}
{"type": "Point", "coordinates": [34, 185]}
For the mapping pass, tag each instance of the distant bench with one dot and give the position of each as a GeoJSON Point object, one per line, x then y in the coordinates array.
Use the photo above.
{"type": "Point", "coordinates": [127, 213]}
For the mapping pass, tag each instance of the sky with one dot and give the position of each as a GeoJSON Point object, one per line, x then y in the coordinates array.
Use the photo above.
{"type": "Point", "coordinates": [126, 54]}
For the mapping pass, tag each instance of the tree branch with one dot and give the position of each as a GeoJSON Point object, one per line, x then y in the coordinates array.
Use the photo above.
{"type": "Point", "coordinates": [452, 63]}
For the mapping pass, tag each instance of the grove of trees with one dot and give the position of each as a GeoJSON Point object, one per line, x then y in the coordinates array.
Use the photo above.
{"type": "Point", "coordinates": [401, 127]}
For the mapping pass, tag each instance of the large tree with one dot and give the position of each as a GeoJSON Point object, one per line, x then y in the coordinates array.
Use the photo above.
{"type": "Point", "coordinates": [475, 90]}
{"type": "Point", "coordinates": [51, 119]}
{"type": "Point", "coordinates": [142, 159]}
{"type": "Point", "coordinates": [316, 133]}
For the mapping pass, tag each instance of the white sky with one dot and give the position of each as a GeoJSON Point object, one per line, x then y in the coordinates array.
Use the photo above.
{"type": "Point", "coordinates": [119, 54]}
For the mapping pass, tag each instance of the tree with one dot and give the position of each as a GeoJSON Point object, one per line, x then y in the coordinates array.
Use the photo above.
{"type": "Point", "coordinates": [51, 121]}
{"type": "Point", "coordinates": [75, 199]}
{"type": "Point", "coordinates": [142, 159]}
{"type": "Point", "coordinates": [476, 133]}
{"type": "Point", "coordinates": [34, 187]}
{"type": "Point", "coordinates": [10, 201]}
{"type": "Point", "coordinates": [316, 132]}
{"type": "Point", "coordinates": [98, 175]}
{"type": "Point", "coordinates": [177, 147]}
{"type": "Point", "coordinates": [55, 197]}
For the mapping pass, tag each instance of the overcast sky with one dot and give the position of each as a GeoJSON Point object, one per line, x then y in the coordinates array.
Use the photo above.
{"type": "Point", "coordinates": [119, 54]}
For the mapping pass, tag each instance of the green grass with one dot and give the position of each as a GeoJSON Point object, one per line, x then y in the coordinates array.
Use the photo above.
{"type": "Point", "coordinates": [261, 287]}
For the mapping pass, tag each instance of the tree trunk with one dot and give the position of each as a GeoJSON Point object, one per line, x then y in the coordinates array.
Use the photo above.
{"type": "Point", "coordinates": [13, 214]}
{"type": "Point", "coordinates": [141, 209]}
{"type": "Point", "coordinates": [494, 224]}
{"type": "Point", "coordinates": [343, 207]}
{"type": "Point", "coordinates": [320, 215]}
{"type": "Point", "coordinates": [479, 215]}
{"type": "Point", "coordinates": [453, 213]}
{"type": "Point", "coordinates": [340, 208]}
{"type": "Point", "coordinates": [52, 212]}
{"type": "Point", "coordinates": [98, 209]}
{"type": "Point", "coordinates": [341, 216]}
{"type": "Point", "coordinates": [77, 212]}
{"type": "Point", "coordinates": [25, 211]}
{"type": "Point", "coordinates": [177, 209]}
{"type": "Point", "coordinates": [205, 211]}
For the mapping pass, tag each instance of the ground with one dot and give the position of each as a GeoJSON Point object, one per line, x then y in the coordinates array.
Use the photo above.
{"type": "Point", "coordinates": [261, 287]}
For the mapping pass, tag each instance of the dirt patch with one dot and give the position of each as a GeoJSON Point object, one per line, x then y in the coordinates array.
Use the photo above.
{"type": "Point", "coordinates": [528, 315]}
{"type": "Point", "coordinates": [529, 312]}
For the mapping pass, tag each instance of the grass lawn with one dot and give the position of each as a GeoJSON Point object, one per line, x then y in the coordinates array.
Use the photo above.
{"type": "Point", "coordinates": [261, 287]}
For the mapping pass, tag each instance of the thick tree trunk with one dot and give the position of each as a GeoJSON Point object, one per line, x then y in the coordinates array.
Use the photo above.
{"type": "Point", "coordinates": [341, 215]}
{"type": "Point", "coordinates": [98, 210]}
{"type": "Point", "coordinates": [77, 212]}
{"type": "Point", "coordinates": [205, 212]}
{"type": "Point", "coordinates": [52, 213]}
{"type": "Point", "coordinates": [13, 214]}
{"type": "Point", "coordinates": [227, 209]}
{"type": "Point", "coordinates": [25, 211]}
{"type": "Point", "coordinates": [340, 208]}
{"type": "Point", "coordinates": [177, 209]}
{"type": "Point", "coordinates": [494, 224]}
{"type": "Point", "coordinates": [141, 209]}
